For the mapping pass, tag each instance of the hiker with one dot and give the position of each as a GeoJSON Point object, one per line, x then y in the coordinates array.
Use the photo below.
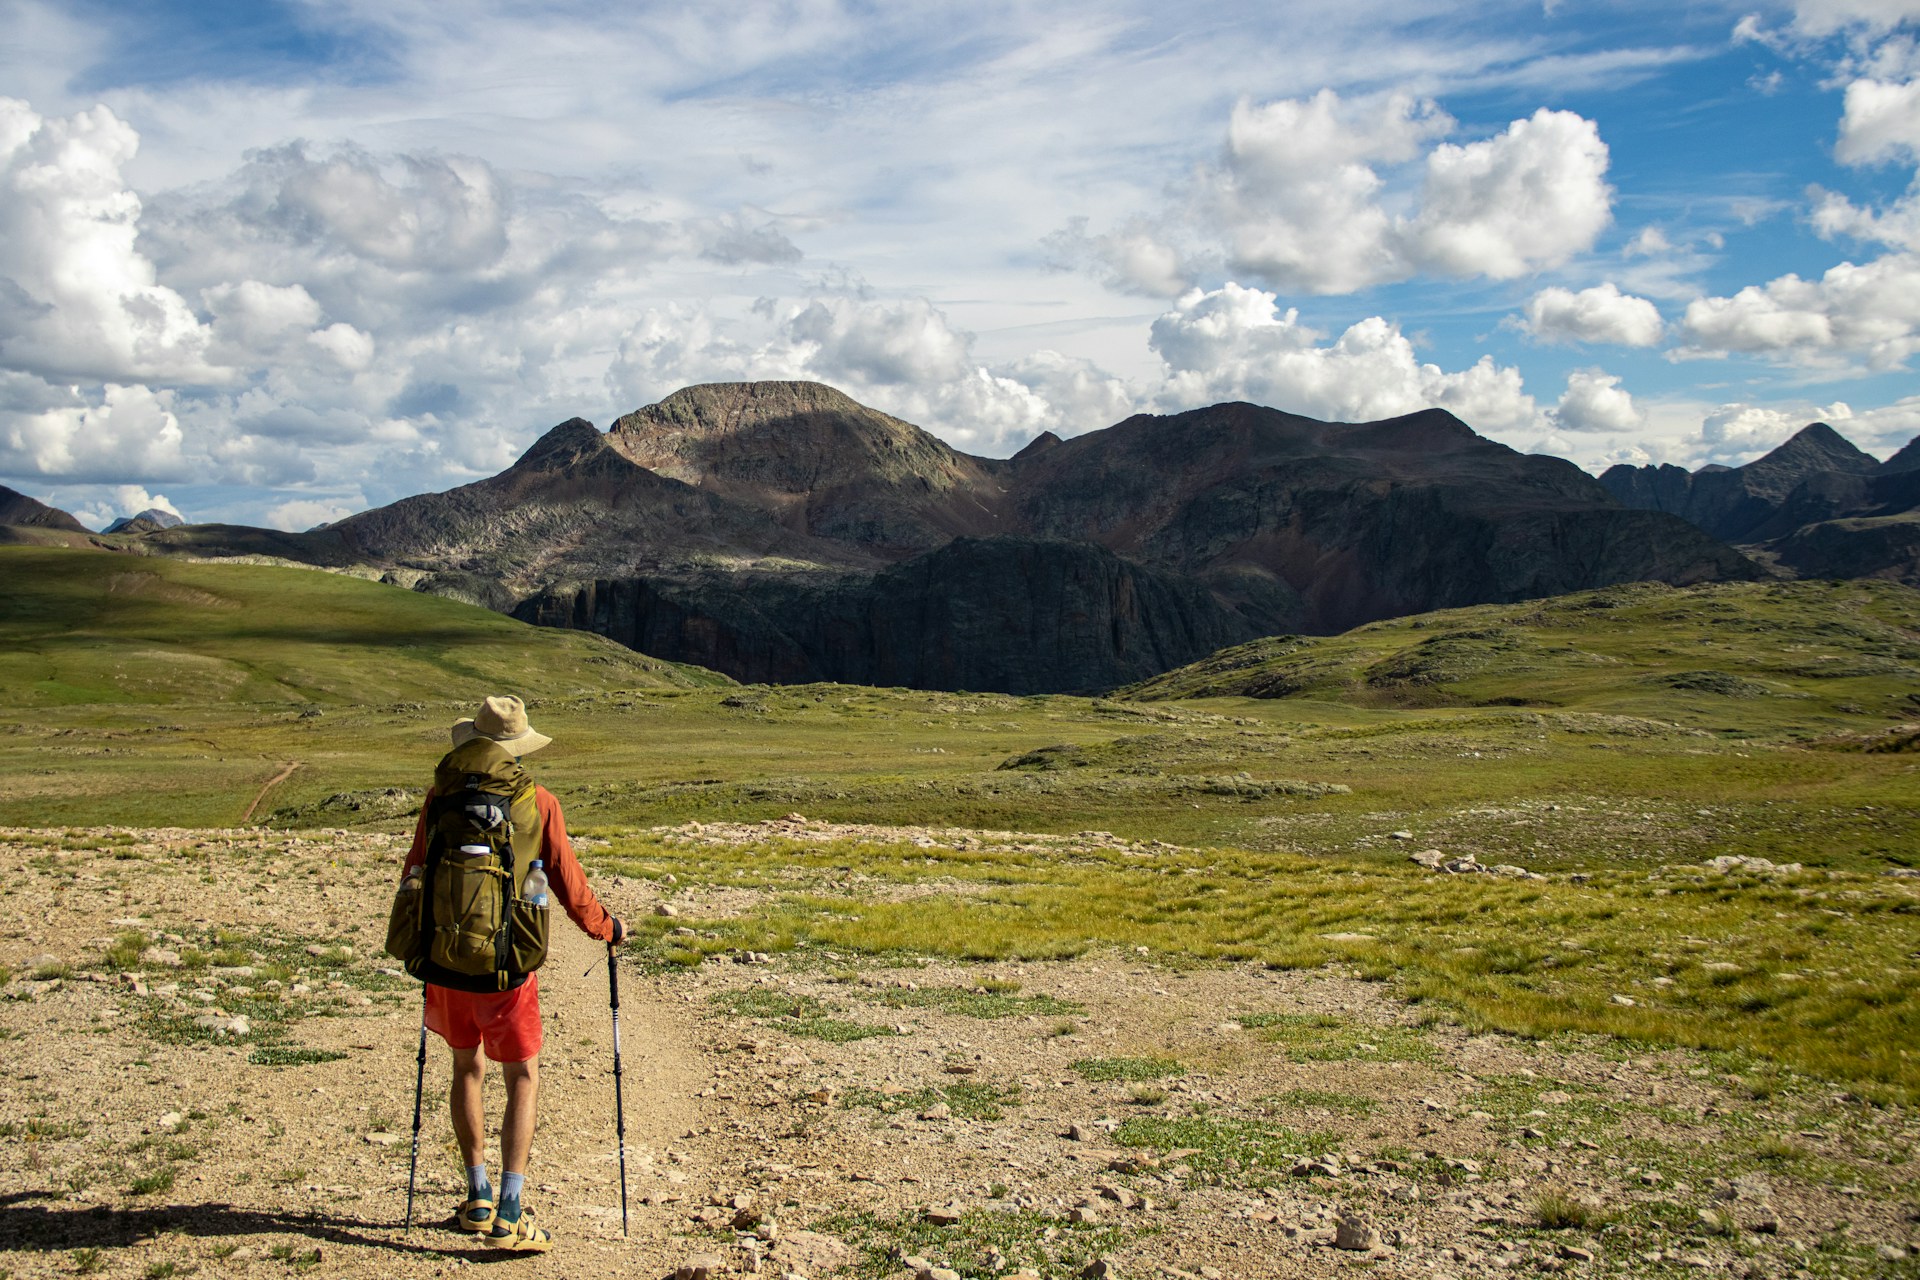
{"type": "Point", "coordinates": [471, 921]}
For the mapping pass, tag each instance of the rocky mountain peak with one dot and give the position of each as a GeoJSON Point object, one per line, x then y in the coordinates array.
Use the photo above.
{"type": "Point", "coordinates": [780, 437]}
{"type": "Point", "coordinates": [18, 508]}
{"type": "Point", "coordinates": [1038, 445]}
{"type": "Point", "coordinates": [1817, 447]}
{"type": "Point", "coordinates": [1427, 431]}
{"type": "Point", "coordinates": [820, 462]}
{"type": "Point", "coordinates": [145, 522]}
{"type": "Point", "coordinates": [1908, 459]}
{"type": "Point", "coordinates": [572, 442]}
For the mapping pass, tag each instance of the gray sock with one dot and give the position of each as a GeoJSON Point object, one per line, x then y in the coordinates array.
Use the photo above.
{"type": "Point", "coordinates": [478, 1188]}
{"type": "Point", "coordinates": [510, 1185]}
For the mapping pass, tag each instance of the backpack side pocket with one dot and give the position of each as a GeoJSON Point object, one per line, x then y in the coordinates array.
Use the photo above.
{"type": "Point", "coordinates": [403, 924]}
{"type": "Point", "coordinates": [530, 926]}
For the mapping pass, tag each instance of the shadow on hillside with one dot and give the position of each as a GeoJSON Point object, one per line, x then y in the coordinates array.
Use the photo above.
{"type": "Point", "coordinates": [29, 1225]}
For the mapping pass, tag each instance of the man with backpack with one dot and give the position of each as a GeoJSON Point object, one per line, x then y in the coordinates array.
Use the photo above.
{"type": "Point", "coordinates": [471, 921]}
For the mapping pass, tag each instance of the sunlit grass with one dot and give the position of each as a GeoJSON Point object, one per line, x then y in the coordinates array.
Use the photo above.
{"type": "Point", "coordinates": [1827, 950]}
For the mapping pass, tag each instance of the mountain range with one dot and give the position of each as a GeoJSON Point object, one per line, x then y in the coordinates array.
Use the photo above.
{"type": "Point", "coordinates": [1816, 506]}
{"type": "Point", "coordinates": [782, 532]}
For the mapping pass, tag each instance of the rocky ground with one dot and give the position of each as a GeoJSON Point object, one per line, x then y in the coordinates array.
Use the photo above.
{"type": "Point", "coordinates": [211, 1066]}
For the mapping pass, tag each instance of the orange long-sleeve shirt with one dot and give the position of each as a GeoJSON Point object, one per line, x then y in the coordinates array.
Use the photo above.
{"type": "Point", "coordinates": [566, 880]}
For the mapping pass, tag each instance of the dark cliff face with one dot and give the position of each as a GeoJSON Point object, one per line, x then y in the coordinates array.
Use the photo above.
{"type": "Point", "coordinates": [1008, 615]}
{"type": "Point", "coordinates": [1817, 505]}
{"type": "Point", "coordinates": [17, 508]}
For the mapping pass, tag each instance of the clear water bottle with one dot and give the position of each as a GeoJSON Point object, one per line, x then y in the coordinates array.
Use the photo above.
{"type": "Point", "coordinates": [535, 889]}
{"type": "Point", "coordinates": [411, 882]}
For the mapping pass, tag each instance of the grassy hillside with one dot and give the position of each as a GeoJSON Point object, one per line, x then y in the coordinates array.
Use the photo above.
{"type": "Point", "coordinates": [1781, 655]}
{"type": "Point", "coordinates": [93, 627]}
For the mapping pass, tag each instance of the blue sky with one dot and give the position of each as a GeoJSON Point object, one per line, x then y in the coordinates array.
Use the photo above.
{"type": "Point", "coordinates": [275, 263]}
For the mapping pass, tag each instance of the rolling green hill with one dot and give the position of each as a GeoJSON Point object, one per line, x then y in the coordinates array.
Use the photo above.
{"type": "Point", "coordinates": [94, 627]}
{"type": "Point", "coordinates": [1770, 656]}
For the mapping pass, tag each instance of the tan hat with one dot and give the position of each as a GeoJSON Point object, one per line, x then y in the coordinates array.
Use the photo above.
{"type": "Point", "coordinates": [504, 719]}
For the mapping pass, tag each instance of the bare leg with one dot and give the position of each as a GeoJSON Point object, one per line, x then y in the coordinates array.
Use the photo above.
{"type": "Point", "coordinates": [463, 1097]}
{"type": "Point", "coordinates": [516, 1130]}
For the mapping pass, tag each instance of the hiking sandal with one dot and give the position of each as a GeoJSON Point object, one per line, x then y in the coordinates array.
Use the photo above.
{"type": "Point", "coordinates": [475, 1215]}
{"type": "Point", "coordinates": [520, 1234]}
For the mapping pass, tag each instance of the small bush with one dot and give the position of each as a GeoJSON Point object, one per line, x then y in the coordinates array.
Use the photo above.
{"type": "Point", "coordinates": [124, 954]}
{"type": "Point", "coordinates": [146, 1184]}
{"type": "Point", "coordinates": [1557, 1211]}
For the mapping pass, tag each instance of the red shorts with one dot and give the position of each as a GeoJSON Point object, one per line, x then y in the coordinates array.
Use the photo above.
{"type": "Point", "coordinates": [508, 1021]}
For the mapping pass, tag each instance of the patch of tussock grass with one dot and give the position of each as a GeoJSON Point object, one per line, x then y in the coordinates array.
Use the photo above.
{"type": "Point", "coordinates": [1126, 1068]}
{"type": "Point", "coordinates": [975, 1004]}
{"type": "Point", "coordinates": [1558, 1211]}
{"type": "Point", "coordinates": [968, 1100]}
{"type": "Point", "coordinates": [1251, 1152]}
{"type": "Point", "coordinates": [973, 1246]}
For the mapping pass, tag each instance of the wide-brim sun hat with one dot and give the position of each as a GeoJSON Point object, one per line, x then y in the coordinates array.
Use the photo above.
{"type": "Point", "coordinates": [504, 719]}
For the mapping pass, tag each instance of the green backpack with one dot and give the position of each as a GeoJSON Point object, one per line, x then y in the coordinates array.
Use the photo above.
{"type": "Point", "coordinates": [468, 925]}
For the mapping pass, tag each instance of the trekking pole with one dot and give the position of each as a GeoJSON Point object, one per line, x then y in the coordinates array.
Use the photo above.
{"type": "Point", "coordinates": [619, 1106]}
{"type": "Point", "coordinates": [419, 1084]}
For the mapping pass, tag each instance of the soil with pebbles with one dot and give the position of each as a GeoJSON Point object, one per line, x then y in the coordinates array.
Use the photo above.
{"type": "Point", "coordinates": [148, 1134]}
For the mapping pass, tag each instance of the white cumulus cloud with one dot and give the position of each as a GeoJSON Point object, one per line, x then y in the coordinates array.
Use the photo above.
{"type": "Point", "coordinates": [1233, 343]}
{"type": "Point", "coordinates": [1869, 312]}
{"type": "Point", "coordinates": [130, 430]}
{"type": "Point", "coordinates": [78, 300]}
{"type": "Point", "coordinates": [884, 342]}
{"type": "Point", "coordinates": [1599, 314]}
{"type": "Point", "coordinates": [1530, 198]}
{"type": "Point", "coordinates": [1595, 402]}
{"type": "Point", "coordinates": [1327, 194]}
{"type": "Point", "coordinates": [1881, 122]}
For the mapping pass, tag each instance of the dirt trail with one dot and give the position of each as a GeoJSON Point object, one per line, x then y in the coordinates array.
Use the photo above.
{"type": "Point", "coordinates": [270, 784]}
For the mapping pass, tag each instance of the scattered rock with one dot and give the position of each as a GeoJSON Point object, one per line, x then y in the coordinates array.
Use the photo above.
{"type": "Point", "coordinates": [809, 1252]}
{"type": "Point", "coordinates": [1756, 866]}
{"type": "Point", "coordinates": [701, 1266]}
{"type": "Point", "coordinates": [1356, 1234]}
{"type": "Point", "coordinates": [945, 1215]}
{"type": "Point", "coordinates": [1431, 859]}
{"type": "Point", "coordinates": [665, 909]}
